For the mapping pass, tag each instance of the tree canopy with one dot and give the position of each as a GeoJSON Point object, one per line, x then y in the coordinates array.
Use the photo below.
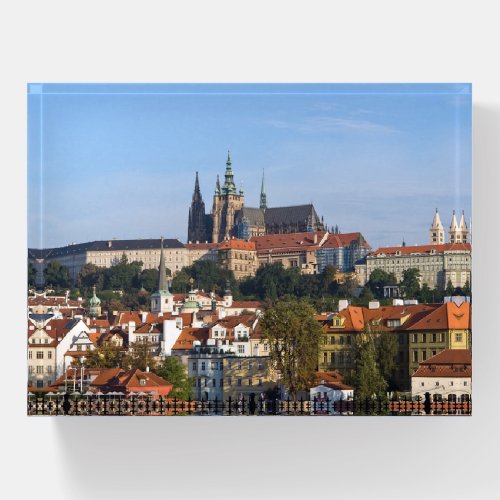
{"type": "Point", "coordinates": [293, 336]}
{"type": "Point", "coordinates": [172, 370]}
{"type": "Point", "coordinates": [57, 275]}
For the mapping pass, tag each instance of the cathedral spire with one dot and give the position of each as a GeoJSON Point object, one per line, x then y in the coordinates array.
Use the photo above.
{"type": "Point", "coordinates": [263, 196]}
{"type": "Point", "coordinates": [229, 187]}
{"type": "Point", "coordinates": [217, 186]}
{"type": "Point", "coordinates": [454, 232]}
{"type": "Point", "coordinates": [196, 184]}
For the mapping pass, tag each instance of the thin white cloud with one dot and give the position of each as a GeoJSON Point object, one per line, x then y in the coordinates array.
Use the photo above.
{"type": "Point", "coordinates": [329, 124]}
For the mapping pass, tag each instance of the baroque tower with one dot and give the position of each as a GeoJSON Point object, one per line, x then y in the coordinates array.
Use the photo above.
{"type": "Point", "coordinates": [162, 300]}
{"type": "Point", "coordinates": [227, 201]}
{"type": "Point", "coordinates": [436, 232]}
{"type": "Point", "coordinates": [197, 224]}
{"type": "Point", "coordinates": [454, 232]}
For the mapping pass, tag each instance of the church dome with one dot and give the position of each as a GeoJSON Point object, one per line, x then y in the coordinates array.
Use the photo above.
{"type": "Point", "coordinates": [94, 300]}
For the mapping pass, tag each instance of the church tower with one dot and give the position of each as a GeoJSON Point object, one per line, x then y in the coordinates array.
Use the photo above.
{"type": "Point", "coordinates": [162, 300]}
{"type": "Point", "coordinates": [227, 201]}
{"type": "Point", "coordinates": [454, 232]}
{"type": "Point", "coordinates": [197, 227]}
{"type": "Point", "coordinates": [463, 230]}
{"type": "Point", "coordinates": [436, 232]}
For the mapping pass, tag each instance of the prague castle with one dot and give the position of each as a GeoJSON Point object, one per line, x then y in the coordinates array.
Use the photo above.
{"type": "Point", "coordinates": [231, 218]}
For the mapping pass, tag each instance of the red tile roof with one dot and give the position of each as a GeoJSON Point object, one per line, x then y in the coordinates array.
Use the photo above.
{"type": "Point", "coordinates": [288, 241]}
{"type": "Point", "coordinates": [447, 363]}
{"type": "Point", "coordinates": [408, 250]}
{"type": "Point", "coordinates": [344, 240]}
{"type": "Point", "coordinates": [237, 244]}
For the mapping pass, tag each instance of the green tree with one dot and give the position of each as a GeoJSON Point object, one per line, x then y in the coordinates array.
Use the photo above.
{"type": "Point", "coordinates": [149, 279]}
{"type": "Point", "coordinates": [366, 378]}
{"type": "Point", "coordinates": [107, 355]}
{"type": "Point", "coordinates": [172, 370]}
{"type": "Point", "coordinates": [378, 279]}
{"type": "Point", "coordinates": [57, 275]}
{"type": "Point", "coordinates": [123, 276]}
{"type": "Point", "coordinates": [410, 283]}
{"type": "Point", "coordinates": [140, 355]}
{"type": "Point", "coordinates": [450, 289]}
{"type": "Point", "coordinates": [426, 295]}
{"type": "Point", "coordinates": [293, 336]}
{"type": "Point", "coordinates": [386, 351]}
{"type": "Point", "coordinates": [90, 275]}
{"type": "Point", "coordinates": [466, 289]}
{"type": "Point", "coordinates": [348, 288]}
{"type": "Point", "coordinates": [31, 274]}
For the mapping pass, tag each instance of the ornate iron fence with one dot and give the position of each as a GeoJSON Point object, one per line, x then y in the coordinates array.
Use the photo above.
{"type": "Point", "coordinates": [147, 405]}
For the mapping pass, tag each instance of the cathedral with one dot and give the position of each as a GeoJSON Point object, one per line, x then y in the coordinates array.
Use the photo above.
{"type": "Point", "coordinates": [458, 232]}
{"type": "Point", "coordinates": [231, 218]}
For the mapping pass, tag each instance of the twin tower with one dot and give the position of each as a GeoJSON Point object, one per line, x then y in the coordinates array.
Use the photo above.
{"type": "Point", "coordinates": [458, 232]}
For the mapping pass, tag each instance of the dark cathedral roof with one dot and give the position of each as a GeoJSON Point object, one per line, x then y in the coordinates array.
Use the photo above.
{"type": "Point", "coordinates": [297, 214]}
{"type": "Point", "coordinates": [254, 216]}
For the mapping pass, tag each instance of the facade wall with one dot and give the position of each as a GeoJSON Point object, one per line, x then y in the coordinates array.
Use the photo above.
{"type": "Point", "coordinates": [444, 386]}
{"type": "Point", "coordinates": [435, 269]}
{"type": "Point", "coordinates": [244, 376]}
{"type": "Point", "coordinates": [242, 262]}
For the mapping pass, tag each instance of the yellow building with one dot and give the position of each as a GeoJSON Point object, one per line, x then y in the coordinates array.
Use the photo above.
{"type": "Point", "coordinates": [244, 376]}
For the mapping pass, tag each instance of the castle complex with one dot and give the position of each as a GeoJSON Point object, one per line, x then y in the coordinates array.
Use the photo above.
{"type": "Point", "coordinates": [231, 218]}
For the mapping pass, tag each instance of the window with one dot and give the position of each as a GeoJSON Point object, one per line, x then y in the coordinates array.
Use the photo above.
{"type": "Point", "coordinates": [31, 369]}
{"type": "Point", "coordinates": [49, 355]}
{"type": "Point", "coordinates": [194, 366]}
{"type": "Point", "coordinates": [203, 365]}
{"type": "Point", "coordinates": [229, 381]}
{"type": "Point", "coordinates": [39, 355]}
{"type": "Point", "coordinates": [250, 364]}
{"type": "Point", "coordinates": [341, 340]}
{"type": "Point", "coordinates": [424, 338]}
{"type": "Point", "coordinates": [424, 355]}
{"type": "Point", "coordinates": [415, 337]}
{"type": "Point", "coordinates": [221, 382]}
{"type": "Point", "coordinates": [30, 354]}
{"type": "Point", "coordinates": [39, 369]}
{"type": "Point", "coordinates": [239, 382]}
{"type": "Point", "coordinates": [451, 382]}
{"type": "Point", "coordinates": [434, 337]}
{"type": "Point", "coordinates": [325, 357]}
{"type": "Point", "coordinates": [240, 364]}
{"type": "Point", "coordinates": [49, 369]}
{"type": "Point", "coordinates": [265, 346]}
{"type": "Point", "coordinates": [206, 382]}
{"type": "Point", "coordinates": [437, 383]}
{"type": "Point", "coordinates": [422, 384]}
{"type": "Point", "coordinates": [143, 381]}
{"type": "Point", "coordinates": [214, 365]}
{"type": "Point", "coordinates": [348, 339]}
{"type": "Point", "coordinates": [39, 383]}
{"type": "Point", "coordinates": [458, 337]}
{"type": "Point", "coordinates": [214, 382]}
{"type": "Point", "coordinates": [229, 363]}
{"type": "Point", "coordinates": [332, 357]}
{"type": "Point", "coordinates": [261, 365]}
{"type": "Point", "coordinates": [332, 340]}
{"type": "Point", "coordinates": [250, 382]}
{"type": "Point", "coordinates": [415, 356]}
{"type": "Point", "coordinates": [260, 382]}
{"type": "Point", "coordinates": [466, 383]}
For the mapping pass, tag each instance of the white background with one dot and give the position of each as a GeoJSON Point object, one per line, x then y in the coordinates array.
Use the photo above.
{"type": "Point", "coordinates": [258, 41]}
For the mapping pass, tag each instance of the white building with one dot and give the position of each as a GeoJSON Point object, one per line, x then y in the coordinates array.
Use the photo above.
{"type": "Point", "coordinates": [448, 375]}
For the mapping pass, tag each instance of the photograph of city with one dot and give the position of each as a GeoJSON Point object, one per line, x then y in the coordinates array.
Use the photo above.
{"type": "Point", "coordinates": [249, 250]}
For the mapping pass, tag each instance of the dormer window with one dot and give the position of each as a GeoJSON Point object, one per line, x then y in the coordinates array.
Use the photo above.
{"type": "Point", "coordinates": [143, 382]}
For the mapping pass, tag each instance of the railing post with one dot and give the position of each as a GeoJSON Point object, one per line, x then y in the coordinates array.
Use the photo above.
{"type": "Point", "coordinates": [427, 403]}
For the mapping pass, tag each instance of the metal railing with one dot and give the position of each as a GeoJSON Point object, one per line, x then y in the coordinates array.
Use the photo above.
{"type": "Point", "coordinates": [76, 404]}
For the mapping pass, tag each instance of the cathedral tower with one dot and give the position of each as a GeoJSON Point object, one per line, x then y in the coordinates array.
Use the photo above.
{"type": "Point", "coordinates": [436, 232]}
{"type": "Point", "coordinates": [197, 225]}
{"type": "Point", "coordinates": [227, 201]}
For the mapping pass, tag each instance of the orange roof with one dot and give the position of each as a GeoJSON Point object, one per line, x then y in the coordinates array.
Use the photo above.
{"type": "Point", "coordinates": [237, 244]}
{"type": "Point", "coordinates": [344, 240]}
{"type": "Point", "coordinates": [288, 241]}
{"type": "Point", "coordinates": [408, 250]}
{"type": "Point", "coordinates": [245, 304]}
{"type": "Point", "coordinates": [449, 316]}
{"type": "Point", "coordinates": [188, 336]}
{"type": "Point", "coordinates": [201, 246]}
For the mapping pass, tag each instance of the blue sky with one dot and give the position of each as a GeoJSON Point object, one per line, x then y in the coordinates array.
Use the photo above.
{"type": "Point", "coordinates": [119, 161]}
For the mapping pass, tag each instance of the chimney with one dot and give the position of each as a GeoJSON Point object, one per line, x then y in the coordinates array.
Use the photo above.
{"type": "Point", "coordinates": [147, 369]}
{"type": "Point", "coordinates": [144, 315]}
{"type": "Point", "coordinates": [315, 238]}
{"type": "Point", "coordinates": [131, 327]}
